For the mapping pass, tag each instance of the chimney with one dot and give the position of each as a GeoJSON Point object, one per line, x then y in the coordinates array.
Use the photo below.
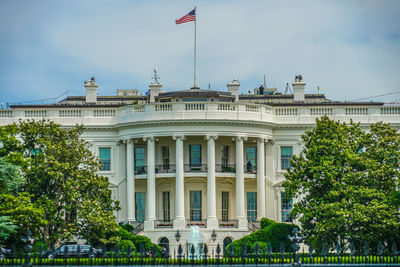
{"type": "Point", "coordinates": [233, 88]}
{"type": "Point", "coordinates": [91, 90]}
{"type": "Point", "coordinates": [298, 88]}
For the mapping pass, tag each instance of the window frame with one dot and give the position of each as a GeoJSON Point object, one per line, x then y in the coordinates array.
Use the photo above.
{"type": "Point", "coordinates": [107, 160]}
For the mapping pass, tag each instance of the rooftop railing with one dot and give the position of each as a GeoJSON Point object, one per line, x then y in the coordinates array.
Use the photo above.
{"type": "Point", "coordinates": [202, 110]}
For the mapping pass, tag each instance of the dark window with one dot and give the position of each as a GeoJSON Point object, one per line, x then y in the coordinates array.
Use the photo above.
{"type": "Point", "coordinates": [225, 206]}
{"type": "Point", "coordinates": [140, 206]}
{"type": "Point", "coordinates": [105, 158]}
{"type": "Point", "coordinates": [195, 205]}
{"type": "Point", "coordinates": [139, 160]}
{"type": "Point", "coordinates": [165, 157]}
{"type": "Point", "coordinates": [251, 158]}
{"type": "Point", "coordinates": [251, 206]}
{"type": "Point", "coordinates": [195, 155]}
{"type": "Point", "coordinates": [286, 155]}
{"type": "Point", "coordinates": [166, 206]}
{"type": "Point", "coordinates": [225, 156]}
{"type": "Point", "coordinates": [286, 207]}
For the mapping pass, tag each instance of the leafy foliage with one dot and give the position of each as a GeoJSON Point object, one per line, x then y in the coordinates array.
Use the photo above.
{"type": "Point", "coordinates": [344, 178]}
{"type": "Point", "coordinates": [61, 177]}
{"type": "Point", "coordinates": [6, 227]}
{"type": "Point", "coordinates": [274, 233]}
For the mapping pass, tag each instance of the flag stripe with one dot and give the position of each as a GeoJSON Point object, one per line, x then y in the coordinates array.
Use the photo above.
{"type": "Point", "coordinates": [191, 16]}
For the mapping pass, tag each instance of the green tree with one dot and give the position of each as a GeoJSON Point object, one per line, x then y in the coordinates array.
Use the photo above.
{"type": "Point", "coordinates": [61, 176]}
{"type": "Point", "coordinates": [6, 228]}
{"type": "Point", "coordinates": [343, 179]}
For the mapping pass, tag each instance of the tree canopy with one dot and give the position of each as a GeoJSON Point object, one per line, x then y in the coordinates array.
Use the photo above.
{"type": "Point", "coordinates": [345, 181]}
{"type": "Point", "coordinates": [60, 176]}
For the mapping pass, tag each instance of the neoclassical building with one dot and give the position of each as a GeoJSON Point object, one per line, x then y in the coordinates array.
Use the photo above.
{"type": "Point", "coordinates": [215, 159]}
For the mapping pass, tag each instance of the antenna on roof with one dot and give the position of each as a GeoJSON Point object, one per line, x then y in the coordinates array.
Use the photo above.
{"type": "Point", "coordinates": [287, 90]}
{"type": "Point", "coordinates": [265, 81]}
{"type": "Point", "coordinates": [318, 89]}
{"type": "Point", "coordinates": [209, 86]}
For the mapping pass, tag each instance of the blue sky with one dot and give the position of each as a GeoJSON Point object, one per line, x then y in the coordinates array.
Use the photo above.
{"type": "Point", "coordinates": [350, 49]}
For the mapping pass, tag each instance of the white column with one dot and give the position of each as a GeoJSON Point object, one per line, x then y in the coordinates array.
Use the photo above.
{"type": "Point", "coordinates": [151, 184]}
{"type": "Point", "coordinates": [179, 221]}
{"type": "Point", "coordinates": [212, 221]}
{"type": "Point", "coordinates": [240, 213]}
{"type": "Point", "coordinates": [260, 180]}
{"type": "Point", "coordinates": [130, 182]}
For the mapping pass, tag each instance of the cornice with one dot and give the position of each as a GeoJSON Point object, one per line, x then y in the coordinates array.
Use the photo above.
{"type": "Point", "coordinates": [194, 122]}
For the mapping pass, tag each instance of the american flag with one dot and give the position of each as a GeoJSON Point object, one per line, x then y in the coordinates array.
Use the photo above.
{"type": "Point", "coordinates": [191, 16]}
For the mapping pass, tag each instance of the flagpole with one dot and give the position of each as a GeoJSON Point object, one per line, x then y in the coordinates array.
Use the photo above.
{"type": "Point", "coordinates": [195, 20]}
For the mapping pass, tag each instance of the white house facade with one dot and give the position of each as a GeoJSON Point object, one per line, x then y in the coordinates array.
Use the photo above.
{"type": "Point", "coordinates": [215, 159]}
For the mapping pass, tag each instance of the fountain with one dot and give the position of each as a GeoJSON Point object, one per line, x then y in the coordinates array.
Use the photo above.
{"type": "Point", "coordinates": [196, 240]}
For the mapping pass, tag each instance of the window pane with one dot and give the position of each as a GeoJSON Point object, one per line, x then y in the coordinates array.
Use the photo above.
{"type": "Point", "coordinates": [251, 158]}
{"type": "Point", "coordinates": [166, 206]}
{"type": "Point", "coordinates": [195, 205]}
{"type": "Point", "coordinates": [225, 206]}
{"type": "Point", "coordinates": [105, 158]}
{"type": "Point", "coordinates": [286, 207]}
{"type": "Point", "coordinates": [195, 155]}
{"type": "Point", "coordinates": [251, 206]}
{"type": "Point", "coordinates": [225, 155]}
{"type": "Point", "coordinates": [286, 155]}
{"type": "Point", "coordinates": [140, 207]}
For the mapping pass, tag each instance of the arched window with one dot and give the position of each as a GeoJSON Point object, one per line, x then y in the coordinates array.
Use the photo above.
{"type": "Point", "coordinates": [227, 241]}
{"type": "Point", "coordinates": [163, 242]}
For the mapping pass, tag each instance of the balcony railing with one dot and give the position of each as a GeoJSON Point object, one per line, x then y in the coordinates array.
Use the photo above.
{"type": "Point", "coordinates": [228, 168]}
{"type": "Point", "coordinates": [195, 167]}
{"type": "Point", "coordinates": [250, 169]}
{"type": "Point", "coordinates": [163, 224]}
{"type": "Point", "coordinates": [201, 224]}
{"type": "Point", "coordinates": [140, 170]}
{"type": "Point", "coordinates": [165, 168]}
{"type": "Point", "coordinates": [228, 224]}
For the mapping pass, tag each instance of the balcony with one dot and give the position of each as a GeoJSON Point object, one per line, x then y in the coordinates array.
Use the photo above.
{"type": "Point", "coordinates": [228, 224]}
{"type": "Point", "coordinates": [250, 169]}
{"type": "Point", "coordinates": [225, 168]}
{"type": "Point", "coordinates": [201, 224]}
{"type": "Point", "coordinates": [140, 170]}
{"type": "Point", "coordinates": [195, 167]}
{"type": "Point", "coordinates": [165, 168]}
{"type": "Point", "coordinates": [163, 224]}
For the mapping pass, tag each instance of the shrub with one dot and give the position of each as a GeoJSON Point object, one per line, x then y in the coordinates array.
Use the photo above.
{"type": "Point", "coordinates": [274, 233]}
{"type": "Point", "coordinates": [265, 222]}
{"type": "Point", "coordinates": [124, 244]}
{"type": "Point", "coordinates": [127, 227]}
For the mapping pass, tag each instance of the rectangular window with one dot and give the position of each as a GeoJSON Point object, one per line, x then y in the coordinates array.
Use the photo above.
{"type": "Point", "coordinates": [225, 206]}
{"type": "Point", "coordinates": [225, 156]}
{"type": "Point", "coordinates": [165, 157]}
{"type": "Point", "coordinates": [105, 158]}
{"type": "Point", "coordinates": [251, 158]}
{"type": "Point", "coordinates": [286, 155]}
{"type": "Point", "coordinates": [139, 160]}
{"type": "Point", "coordinates": [251, 206]}
{"type": "Point", "coordinates": [166, 207]}
{"type": "Point", "coordinates": [195, 205]}
{"type": "Point", "coordinates": [286, 207]}
{"type": "Point", "coordinates": [195, 156]}
{"type": "Point", "coordinates": [140, 206]}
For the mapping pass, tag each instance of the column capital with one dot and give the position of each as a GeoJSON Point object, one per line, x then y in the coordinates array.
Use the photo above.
{"type": "Point", "coordinates": [150, 138]}
{"type": "Point", "coordinates": [271, 141]}
{"type": "Point", "coordinates": [238, 138]}
{"type": "Point", "coordinates": [262, 140]}
{"type": "Point", "coordinates": [210, 136]}
{"type": "Point", "coordinates": [182, 137]}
